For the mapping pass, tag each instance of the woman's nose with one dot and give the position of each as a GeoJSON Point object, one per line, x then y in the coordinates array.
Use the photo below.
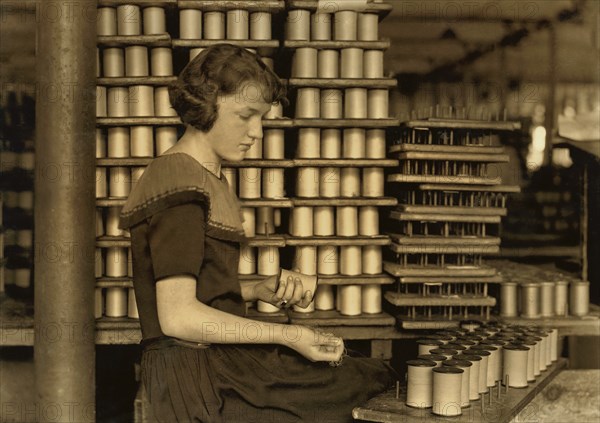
{"type": "Point", "coordinates": [255, 131]}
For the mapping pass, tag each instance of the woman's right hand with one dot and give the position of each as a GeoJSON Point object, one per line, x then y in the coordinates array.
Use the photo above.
{"type": "Point", "coordinates": [313, 344]}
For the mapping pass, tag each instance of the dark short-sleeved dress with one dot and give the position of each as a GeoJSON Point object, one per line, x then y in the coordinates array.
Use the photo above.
{"type": "Point", "coordinates": [184, 220]}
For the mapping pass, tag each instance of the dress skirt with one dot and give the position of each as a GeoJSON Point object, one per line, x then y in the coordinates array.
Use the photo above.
{"type": "Point", "coordinates": [254, 383]}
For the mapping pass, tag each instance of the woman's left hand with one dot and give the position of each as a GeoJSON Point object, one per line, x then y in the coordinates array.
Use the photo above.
{"type": "Point", "coordinates": [283, 294]}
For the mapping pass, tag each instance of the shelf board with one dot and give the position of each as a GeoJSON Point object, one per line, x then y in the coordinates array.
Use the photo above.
{"type": "Point", "coordinates": [382, 44]}
{"type": "Point", "coordinates": [345, 163]}
{"type": "Point", "coordinates": [159, 81]}
{"type": "Point", "coordinates": [381, 8]}
{"type": "Point", "coordinates": [462, 124]}
{"type": "Point", "coordinates": [474, 188]}
{"type": "Point", "coordinates": [263, 47]}
{"type": "Point", "coordinates": [123, 161]}
{"type": "Point", "coordinates": [444, 249]}
{"type": "Point", "coordinates": [266, 241]}
{"type": "Point", "coordinates": [335, 318]}
{"type": "Point", "coordinates": [417, 300]}
{"type": "Point", "coordinates": [110, 202]}
{"type": "Point", "coordinates": [141, 3]}
{"type": "Point", "coordinates": [107, 282]}
{"type": "Point", "coordinates": [158, 40]}
{"type": "Point", "coordinates": [138, 121]}
{"type": "Point", "coordinates": [398, 270]}
{"type": "Point", "coordinates": [262, 163]}
{"type": "Point", "coordinates": [567, 325]}
{"type": "Point", "coordinates": [441, 241]}
{"type": "Point", "coordinates": [452, 156]}
{"type": "Point", "coordinates": [345, 123]}
{"type": "Point", "coordinates": [225, 5]}
{"type": "Point", "coordinates": [449, 279]}
{"type": "Point", "coordinates": [542, 251]}
{"type": "Point", "coordinates": [113, 241]}
{"type": "Point", "coordinates": [380, 279]}
{"type": "Point", "coordinates": [430, 148]}
{"type": "Point", "coordinates": [341, 83]}
{"type": "Point", "coordinates": [341, 201]}
{"type": "Point", "coordinates": [338, 241]}
{"type": "Point", "coordinates": [278, 123]}
{"type": "Point", "coordinates": [436, 179]}
{"type": "Point", "coordinates": [280, 203]}
{"type": "Point", "coordinates": [452, 210]}
{"type": "Point", "coordinates": [435, 217]}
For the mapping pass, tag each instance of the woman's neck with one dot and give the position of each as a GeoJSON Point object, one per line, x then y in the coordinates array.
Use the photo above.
{"type": "Point", "coordinates": [195, 143]}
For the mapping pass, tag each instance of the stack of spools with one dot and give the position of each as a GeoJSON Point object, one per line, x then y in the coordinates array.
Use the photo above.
{"type": "Point", "coordinates": [17, 178]}
{"type": "Point", "coordinates": [450, 204]}
{"type": "Point", "coordinates": [340, 106]}
{"type": "Point", "coordinates": [532, 293]}
{"type": "Point", "coordinates": [455, 367]}
{"type": "Point", "coordinates": [136, 122]}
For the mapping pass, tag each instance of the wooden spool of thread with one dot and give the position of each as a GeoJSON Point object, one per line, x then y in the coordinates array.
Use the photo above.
{"type": "Point", "coordinates": [260, 26]}
{"type": "Point", "coordinates": [265, 220]}
{"type": "Point", "coordinates": [347, 221]}
{"type": "Point", "coordinates": [498, 344]}
{"type": "Point", "coordinates": [268, 261]}
{"type": "Point", "coordinates": [329, 182]}
{"type": "Point", "coordinates": [368, 221]}
{"type": "Point", "coordinates": [537, 352]}
{"type": "Point", "coordinates": [446, 396]}
{"type": "Point", "coordinates": [237, 24]}
{"type": "Point", "coordinates": [305, 259]}
{"type": "Point", "coordinates": [101, 185]}
{"type": "Point", "coordinates": [371, 298]}
{"type": "Point", "coordinates": [548, 339]}
{"type": "Point", "coordinates": [320, 26]}
{"type": "Point", "coordinates": [307, 182]}
{"type": "Point", "coordinates": [331, 104]}
{"type": "Point", "coordinates": [309, 143]}
{"type": "Point", "coordinates": [345, 25]}
{"type": "Point", "coordinates": [352, 63]}
{"type": "Point", "coordinates": [419, 389]}
{"type": "Point", "coordinates": [106, 21]}
{"type": "Point", "coordinates": [194, 52]}
{"type": "Point", "coordinates": [297, 25]}
{"type": "Point", "coordinates": [458, 347]}
{"type": "Point", "coordinates": [141, 141]}
{"type": "Point", "coordinates": [120, 181]}
{"type": "Point", "coordinates": [113, 62]}
{"type": "Point", "coordinates": [437, 359]}
{"type": "Point", "coordinates": [375, 147]}
{"type": "Point", "coordinates": [214, 25]}
{"type": "Point", "coordinates": [508, 299]}
{"type": "Point", "coordinates": [136, 61]}
{"type": "Point", "coordinates": [350, 185]}
{"type": "Point", "coordinates": [247, 262]}
{"type": "Point", "coordinates": [494, 363]}
{"type": "Point", "coordinates": [529, 343]}
{"type": "Point", "coordinates": [530, 300]}
{"type": "Point", "coordinates": [355, 103]}
{"type": "Point", "coordinates": [116, 262]}
{"type": "Point", "coordinates": [118, 142]}
{"type": "Point", "coordinates": [116, 302]}
{"type": "Point", "coordinates": [154, 21]}
{"type": "Point", "coordinates": [22, 277]}
{"type": "Point", "coordinates": [446, 352]}
{"type": "Point", "coordinates": [166, 137]}
{"type": "Point", "coordinates": [327, 260]}
{"type": "Point", "coordinates": [162, 104]}
{"type": "Point", "coordinates": [515, 365]}
{"type": "Point", "coordinates": [579, 298]}
{"type": "Point", "coordinates": [98, 264]}
{"type": "Point", "coordinates": [250, 182]}
{"type": "Point", "coordinates": [304, 63]}
{"type": "Point", "coordinates": [465, 386]}
{"type": "Point", "coordinates": [132, 310]}
{"type": "Point", "coordinates": [161, 61]}
{"type": "Point", "coordinates": [483, 368]}
{"type": "Point", "coordinates": [328, 64]}
{"type": "Point", "coordinates": [331, 144]}
{"type": "Point", "coordinates": [141, 100]}
{"type": "Point", "coordinates": [118, 102]}
{"type": "Point", "coordinates": [354, 143]}
{"type": "Point", "coordinates": [324, 221]}
{"type": "Point", "coordinates": [373, 64]}
{"type": "Point", "coordinates": [249, 221]}
{"type": "Point", "coordinates": [350, 298]}
{"type": "Point", "coordinates": [112, 222]}
{"type": "Point", "coordinates": [372, 262]}
{"type": "Point", "coordinates": [377, 104]}
{"type": "Point", "coordinates": [301, 221]}
{"type": "Point", "coordinates": [101, 101]}
{"type": "Point", "coordinates": [99, 223]}
{"type": "Point", "coordinates": [129, 20]}
{"type": "Point", "coordinates": [426, 345]}
{"type": "Point", "coordinates": [101, 143]}
{"type": "Point", "coordinates": [324, 298]}
{"type": "Point", "coordinates": [25, 238]}
{"type": "Point", "coordinates": [368, 24]}
{"type": "Point", "coordinates": [553, 344]}
{"type": "Point", "coordinates": [373, 182]}
{"type": "Point", "coordinates": [272, 183]}
{"type": "Point", "coordinates": [190, 24]}
{"type": "Point", "coordinates": [308, 101]}
{"type": "Point", "coordinates": [273, 144]}
{"type": "Point", "coordinates": [475, 361]}
{"type": "Point", "coordinates": [543, 346]}
{"type": "Point", "coordinates": [98, 303]}
{"type": "Point", "coordinates": [350, 260]}
{"type": "Point", "coordinates": [136, 174]}
{"type": "Point", "coordinates": [561, 290]}
{"type": "Point", "coordinates": [547, 299]}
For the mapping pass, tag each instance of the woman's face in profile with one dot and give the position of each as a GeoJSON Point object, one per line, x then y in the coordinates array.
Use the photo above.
{"type": "Point", "coordinates": [239, 122]}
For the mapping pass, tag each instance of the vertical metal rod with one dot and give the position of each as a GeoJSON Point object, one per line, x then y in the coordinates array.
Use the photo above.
{"type": "Point", "coordinates": [65, 211]}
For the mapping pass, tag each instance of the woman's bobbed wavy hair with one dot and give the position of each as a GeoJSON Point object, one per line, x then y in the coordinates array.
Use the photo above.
{"type": "Point", "coordinates": [221, 69]}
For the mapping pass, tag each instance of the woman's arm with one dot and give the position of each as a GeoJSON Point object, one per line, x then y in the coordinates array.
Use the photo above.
{"type": "Point", "coordinates": [182, 316]}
